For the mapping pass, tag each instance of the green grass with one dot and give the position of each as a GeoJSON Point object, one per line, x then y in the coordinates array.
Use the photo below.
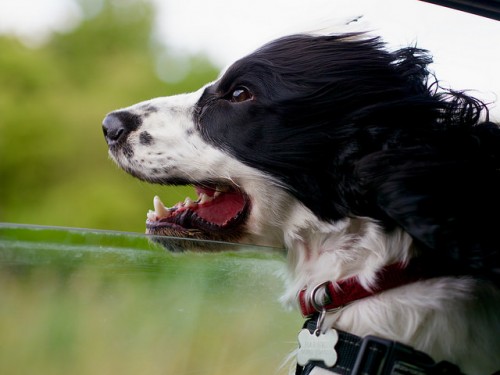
{"type": "Point", "coordinates": [89, 302]}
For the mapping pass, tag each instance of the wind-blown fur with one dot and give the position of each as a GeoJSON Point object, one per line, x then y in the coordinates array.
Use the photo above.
{"type": "Point", "coordinates": [353, 158]}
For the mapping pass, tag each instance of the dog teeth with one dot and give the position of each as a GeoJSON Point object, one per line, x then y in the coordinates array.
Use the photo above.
{"type": "Point", "coordinates": [161, 212]}
{"type": "Point", "coordinates": [189, 203]}
{"type": "Point", "coordinates": [151, 216]}
{"type": "Point", "coordinates": [204, 198]}
{"type": "Point", "coordinates": [160, 209]}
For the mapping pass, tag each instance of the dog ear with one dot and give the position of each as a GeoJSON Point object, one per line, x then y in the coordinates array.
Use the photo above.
{"type": "Point", "coordinates": [449, 205]}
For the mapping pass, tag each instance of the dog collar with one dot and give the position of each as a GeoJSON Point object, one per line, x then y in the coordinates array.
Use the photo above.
{"type": "Point", "coordinates": [375, 355]}
{"type": "Point", "coordinates": [332, 295]}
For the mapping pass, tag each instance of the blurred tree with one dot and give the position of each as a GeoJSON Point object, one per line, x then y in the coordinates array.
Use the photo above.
{"type": "Point", "coordinates": [54, 168]}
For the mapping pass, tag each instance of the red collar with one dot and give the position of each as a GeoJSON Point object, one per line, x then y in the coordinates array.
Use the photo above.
{"type": "Point", "coordinates": [333, 295]}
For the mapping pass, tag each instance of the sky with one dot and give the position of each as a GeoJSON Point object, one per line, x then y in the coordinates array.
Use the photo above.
{"type": "Point", "coordinates": [466, 48]}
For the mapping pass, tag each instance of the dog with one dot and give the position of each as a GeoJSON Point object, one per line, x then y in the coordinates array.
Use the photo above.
{"type": "Point", "coordinates": [382, 187]}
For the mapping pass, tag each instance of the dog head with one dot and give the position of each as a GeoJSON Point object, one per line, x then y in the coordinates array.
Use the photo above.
{"type": "Point", "coordinates": [269, 143]}
{"type": "Point", "coordinates": [311, 135]}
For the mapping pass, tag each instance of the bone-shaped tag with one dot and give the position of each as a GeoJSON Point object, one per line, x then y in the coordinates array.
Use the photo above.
{"type": "Point", "coordinates": [317, 347]}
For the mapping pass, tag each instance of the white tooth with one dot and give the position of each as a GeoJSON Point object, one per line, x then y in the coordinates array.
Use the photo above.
{"type": "Point", "coordinates": [204, 198]}
{"type": "Point", "coordinates": [160, 209]}
{"type": "Point", "coordinates": [189, 203]}
{"type": "Point", "coordinates": [151, 215]}
{"type": "Point", "coordinates": [216, 194]}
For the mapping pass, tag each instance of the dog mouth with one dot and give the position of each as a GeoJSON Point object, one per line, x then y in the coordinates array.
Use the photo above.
{"type": "Point", "coordinates": [219, 213]}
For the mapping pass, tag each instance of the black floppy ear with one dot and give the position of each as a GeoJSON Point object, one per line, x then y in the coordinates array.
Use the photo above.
{"type": "Point", "coordinates": [445, 204]}
{"type": "Point", "coordinates": [411, 190]}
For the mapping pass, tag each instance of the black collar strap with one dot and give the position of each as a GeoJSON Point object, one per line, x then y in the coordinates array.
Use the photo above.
{"type": "Point", "coordinates": [374, 355]}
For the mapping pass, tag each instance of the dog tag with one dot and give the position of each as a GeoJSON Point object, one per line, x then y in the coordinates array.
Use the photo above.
{"type": "Point", "coordinates": [317, 346]}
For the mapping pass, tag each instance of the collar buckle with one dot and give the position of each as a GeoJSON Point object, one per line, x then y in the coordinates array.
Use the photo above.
{"type": "Point", "coordinates": [381, 356]}
{"type": "Point", "coordinates": [320, 297]}
{"type": "Point", "coordinates": [318, 300]}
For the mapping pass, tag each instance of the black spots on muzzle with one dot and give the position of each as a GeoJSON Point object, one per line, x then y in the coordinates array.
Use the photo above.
{"type": "Point", "coordinates": [145, 138]}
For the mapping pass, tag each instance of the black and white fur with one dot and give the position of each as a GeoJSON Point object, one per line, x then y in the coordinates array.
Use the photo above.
{"type": "Point", "coordinates": [352, 159]}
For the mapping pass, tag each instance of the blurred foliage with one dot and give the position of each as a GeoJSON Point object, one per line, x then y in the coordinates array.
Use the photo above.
{"type": "Point", "coordinates": [54, 167]}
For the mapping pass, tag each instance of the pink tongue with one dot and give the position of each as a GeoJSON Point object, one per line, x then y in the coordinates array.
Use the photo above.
{"type": "Point", "coordinates": [225, 207]}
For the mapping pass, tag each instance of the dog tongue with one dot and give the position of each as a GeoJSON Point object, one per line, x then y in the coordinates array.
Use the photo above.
{"type": "Point", "coordinates": [214, 206]}
{"type": "Point", "coordinates": [222, 209]}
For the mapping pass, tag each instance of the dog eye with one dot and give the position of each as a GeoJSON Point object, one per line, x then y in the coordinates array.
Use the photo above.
{"type": "Point", "coordinates": [240, 94]}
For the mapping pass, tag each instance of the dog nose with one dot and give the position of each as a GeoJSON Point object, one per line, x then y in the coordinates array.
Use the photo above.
{"type": "Point", "coordinates": [113, 129]}
{"type": "Point", "coordinates": [117, 125]}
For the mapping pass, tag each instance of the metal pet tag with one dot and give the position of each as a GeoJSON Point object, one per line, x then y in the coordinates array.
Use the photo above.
{"type": "Point", "coordinates": [317, 346]}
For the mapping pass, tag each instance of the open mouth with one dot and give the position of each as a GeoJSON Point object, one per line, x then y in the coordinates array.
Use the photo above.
{"type": "Point", "coordinates": [219, 213]}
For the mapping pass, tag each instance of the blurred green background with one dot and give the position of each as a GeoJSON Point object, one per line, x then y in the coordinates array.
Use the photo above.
{"type": "Point", "coordinates": [54, 166]}
{"type": "Point", "coordinates": [99, 302]}
{"type": "Point", "coordinates": [85, 302]}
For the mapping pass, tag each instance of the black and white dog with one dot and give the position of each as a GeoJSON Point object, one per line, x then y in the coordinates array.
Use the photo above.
{"type": "Point", "coordinates": [383, 188]}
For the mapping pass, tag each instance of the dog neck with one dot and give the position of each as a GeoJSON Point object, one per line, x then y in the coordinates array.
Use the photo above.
{"type": "Point", "coordinates": [350, 248]}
